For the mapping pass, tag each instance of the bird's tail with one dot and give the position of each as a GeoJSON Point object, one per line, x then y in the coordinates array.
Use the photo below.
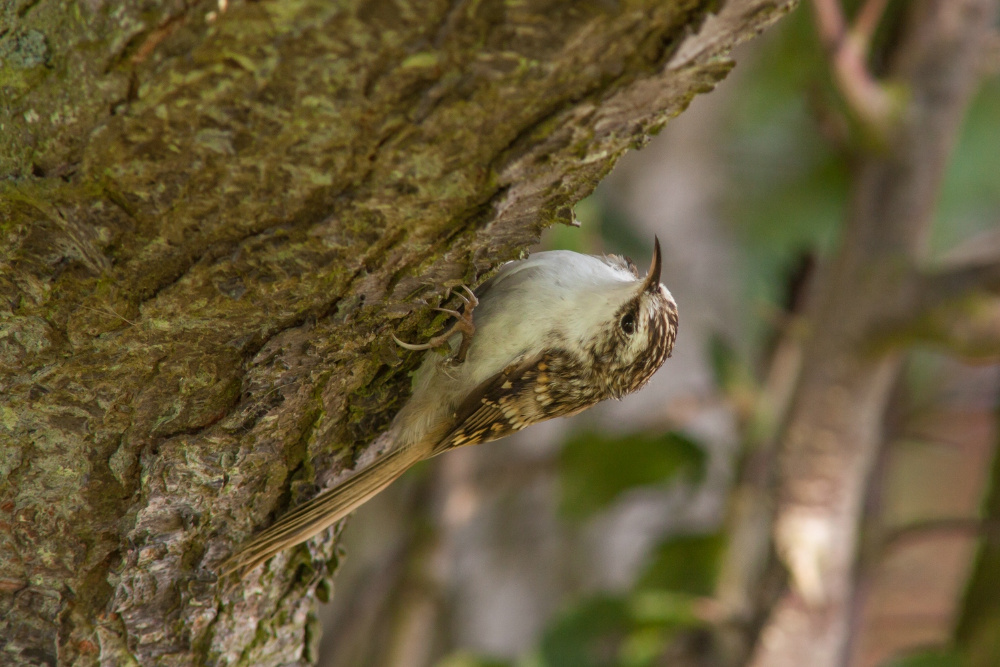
{"type": "Point", "coordinates": [321, 512]}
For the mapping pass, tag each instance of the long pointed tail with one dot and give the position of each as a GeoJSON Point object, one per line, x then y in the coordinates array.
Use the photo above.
{"type": "Point", "coordinates": [321, 512]}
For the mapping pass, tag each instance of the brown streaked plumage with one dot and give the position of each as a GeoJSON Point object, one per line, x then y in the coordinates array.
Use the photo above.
{"type": "Point", "coordinates": [555, 334]}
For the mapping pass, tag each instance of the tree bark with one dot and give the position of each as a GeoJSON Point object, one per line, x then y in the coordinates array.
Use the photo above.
{"type": "Point", "coordinates": [213, 215]}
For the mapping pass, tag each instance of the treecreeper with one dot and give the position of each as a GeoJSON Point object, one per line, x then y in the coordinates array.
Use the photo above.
{"type": "Point", "coordinates": [552, 335]}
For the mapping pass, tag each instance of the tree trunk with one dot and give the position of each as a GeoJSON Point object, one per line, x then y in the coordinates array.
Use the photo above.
{"type": "Point", "coordinates": [213, 215]}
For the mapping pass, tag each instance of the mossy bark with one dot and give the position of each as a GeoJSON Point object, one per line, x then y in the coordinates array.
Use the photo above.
{"type": "Point", "coordinates": [212, 217]}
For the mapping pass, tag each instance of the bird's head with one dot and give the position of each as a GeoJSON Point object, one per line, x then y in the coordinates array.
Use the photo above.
{"type": "Point", "coordinates": [635, 342]}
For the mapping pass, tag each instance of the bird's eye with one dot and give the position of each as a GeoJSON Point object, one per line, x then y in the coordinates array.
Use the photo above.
{"type": "Point", "coordinates": [628, 323]}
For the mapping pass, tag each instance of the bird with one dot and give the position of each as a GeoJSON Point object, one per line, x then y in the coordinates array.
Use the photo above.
{"type": "Point", "coordinates": [546, 336]}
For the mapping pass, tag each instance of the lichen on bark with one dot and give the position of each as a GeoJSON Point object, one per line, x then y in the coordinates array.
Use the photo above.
{"type": "Point", "coordinates": [212, 219]}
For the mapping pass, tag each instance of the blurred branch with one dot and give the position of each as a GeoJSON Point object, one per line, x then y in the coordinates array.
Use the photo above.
{"type": "Point", "coordinates": [828, 444]}
{"type": "Point", "coordinates": [750, 576]}
{"type": "Point", "coordinates": [395, 613]}
{"type": "Point", "coordinates": [867, 20]}
{"type": "Point", "coordinates": [987, 529]}
{"type": "Point", "coordinates": [951, 306]}
{"type": "Point", "coordinates": [847, 48]}
{"type": "Point", "coordinates": [750, 520]}
{"type": "Point", "coordinates": [944, 287]}
{"type": "Point", "coordinates": [977, 633]}
{"type": "Point", "coordinates": [356, 634]}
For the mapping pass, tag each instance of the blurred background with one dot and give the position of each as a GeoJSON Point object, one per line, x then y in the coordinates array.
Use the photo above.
{"type": "Point", "coordinates": [608, 538]}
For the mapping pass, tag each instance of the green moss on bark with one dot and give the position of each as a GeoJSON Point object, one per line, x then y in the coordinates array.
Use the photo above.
{"type": "Point", "coordinates": [211, 223]}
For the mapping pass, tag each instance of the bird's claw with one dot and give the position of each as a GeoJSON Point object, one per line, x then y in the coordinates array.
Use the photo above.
{"type": "Point", "coordinates": [464, 325]}
{"type": "Point", "coordinates": [471, 301]}
{"type": "Point", "coordinates": [412, 346]}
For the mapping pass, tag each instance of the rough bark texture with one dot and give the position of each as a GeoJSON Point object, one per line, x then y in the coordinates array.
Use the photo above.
{"type": "Point", "coordinates": [212, 216]}
{"type": "Point", "coordinates": [834, 423]}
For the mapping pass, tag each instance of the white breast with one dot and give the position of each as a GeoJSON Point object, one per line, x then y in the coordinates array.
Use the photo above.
{"type": "Point", "coordinates": [552, 299]}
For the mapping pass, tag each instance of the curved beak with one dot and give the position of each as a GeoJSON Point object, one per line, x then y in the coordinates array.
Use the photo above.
{"type": "Point", "coordinates": [652, 281]}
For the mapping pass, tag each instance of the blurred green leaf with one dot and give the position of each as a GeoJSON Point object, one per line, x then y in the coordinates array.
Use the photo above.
{"type": "Point", "coordinates": [596, 468]}
{"type": "Point", "coordinates": [686, 564]}
{"type": "Point", "coordinates": [662, 608]}
{"type": "Point", "coordinates": [970, 196]}
{"type": "Point", "coordinates": [643, 646]}
{"type": "Point", "coordinates": [726, 366]}
{"type": "Point", "coordinates": [589, 635]}
{"type": "Point", "coordinates": [930, 658]}
{"type": "Point", "coordinates": [610, 631]}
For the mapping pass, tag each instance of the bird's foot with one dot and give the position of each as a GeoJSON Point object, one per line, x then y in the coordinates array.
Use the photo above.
{"type": "Point", "coordinates": [464, 326]}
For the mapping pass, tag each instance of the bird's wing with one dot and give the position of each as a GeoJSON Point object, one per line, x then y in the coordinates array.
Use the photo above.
{"type": "Point", "coordinates": [522, 394]}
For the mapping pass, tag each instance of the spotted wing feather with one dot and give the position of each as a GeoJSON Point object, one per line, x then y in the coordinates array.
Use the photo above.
{"type": "Point", "coordinates": [522, 394]}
